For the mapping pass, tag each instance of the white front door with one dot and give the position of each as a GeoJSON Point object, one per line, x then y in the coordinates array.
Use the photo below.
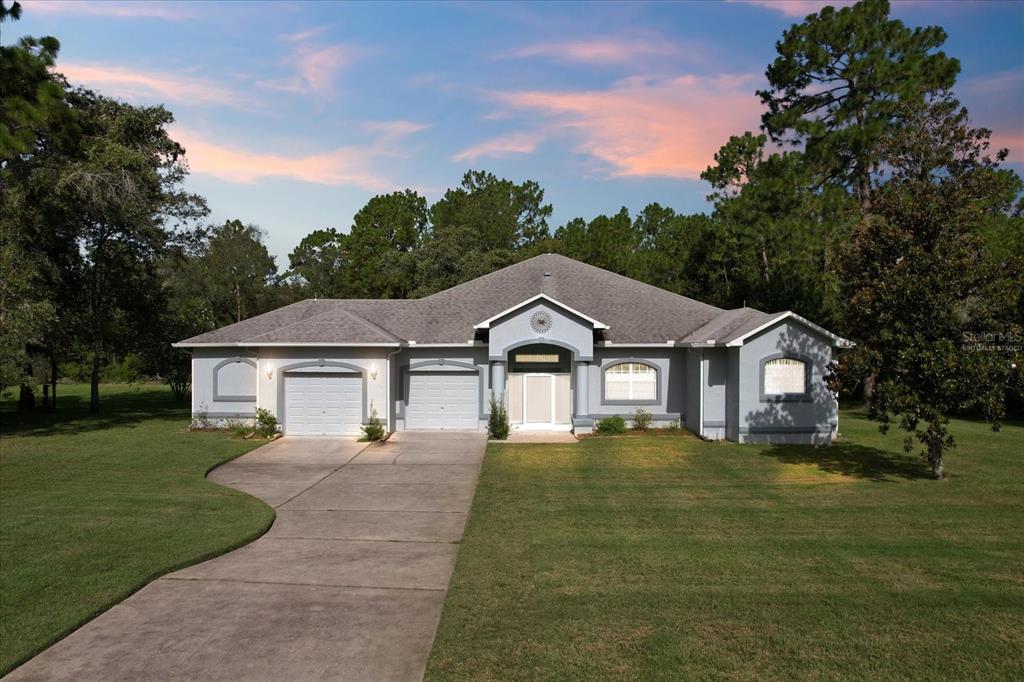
{"type": "Point", "coordinates": [546, 402]}
{"type": "Point", "coordinates": [322, 404]}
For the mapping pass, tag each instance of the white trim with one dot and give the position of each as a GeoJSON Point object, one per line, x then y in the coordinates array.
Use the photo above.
{"type": "Point", "coordinates": [839, 341]}
{"type": "Point", "coordinates": [551, 424]}
{"type": "Point", "coordinates": [486, 324]}
{"type": "Point", "coordinates": [448, 345]}
{"type": "Point", "coordinates": [387, 387]}
{"type": "Point", "coordinates": [319, 344]}
{"type": "Point", "coordinates": [700, 397]}
{"type": "Point", "coordinates": [259, 380]}
{"type": "Point", "coordinates": [670, 343]}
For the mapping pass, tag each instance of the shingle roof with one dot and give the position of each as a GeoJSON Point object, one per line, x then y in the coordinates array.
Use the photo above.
{"type": "Point", "coordinates": [634, 312]}
{"type": "Point", "coordinates": [729, 325]}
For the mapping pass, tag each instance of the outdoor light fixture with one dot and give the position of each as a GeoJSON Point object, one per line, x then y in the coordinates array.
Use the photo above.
{"type": "Point", "coordinates": [373, 372]}
{"type": "Point", "coordinates": [270, 372]}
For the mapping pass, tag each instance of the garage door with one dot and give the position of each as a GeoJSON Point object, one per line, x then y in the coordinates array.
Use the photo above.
{"type": "Point", "coordinates": [443, 400]}
{"type": "Point", "coordinates": [322, 404]}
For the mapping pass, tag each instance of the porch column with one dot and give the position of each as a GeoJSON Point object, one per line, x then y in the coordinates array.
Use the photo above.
{"type": "Point", "coordinates": [582, 388]}
{"type": "Point", "coordinates": [498, 378]}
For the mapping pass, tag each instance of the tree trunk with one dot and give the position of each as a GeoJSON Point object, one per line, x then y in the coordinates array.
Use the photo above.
{"type": "Point", "coordinates": [26, 399]}
{"type": "Point", "coordinates": [46, 396]}
{"type": "Point", "coordinates": [935, 458]}
{"type": "Point", "coordinates": [94, 384]}
{"type": "Point", "coordinates": [53, 382]}
{"type": "Point", "coordinates": [869, 389]}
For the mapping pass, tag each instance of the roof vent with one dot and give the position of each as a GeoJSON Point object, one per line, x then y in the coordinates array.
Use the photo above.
{"type": "Point", "coordinates": [547, 274]}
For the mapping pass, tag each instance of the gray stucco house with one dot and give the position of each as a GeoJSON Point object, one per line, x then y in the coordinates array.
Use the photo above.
{"type": "Point", "coordinates": [563, 342]}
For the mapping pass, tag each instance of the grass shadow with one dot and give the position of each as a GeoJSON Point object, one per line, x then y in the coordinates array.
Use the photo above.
{"type": "Point", "coordinates": [851, 459]}
{"type": "Point", "coordinates": [120, 406]}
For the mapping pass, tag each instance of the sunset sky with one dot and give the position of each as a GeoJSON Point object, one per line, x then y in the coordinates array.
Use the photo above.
{"type": "Point", "coordinates": [294, 114]}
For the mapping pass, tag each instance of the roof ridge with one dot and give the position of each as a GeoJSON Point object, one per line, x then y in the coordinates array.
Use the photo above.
{"type": "Point", "coordinates": [292, 324]}
{"type": "Point", "coordinates": [645, 284]}
{"type": "Point", "coordinates": [489, 274]}
{"type": "Point", "coordinates": [372, 325]}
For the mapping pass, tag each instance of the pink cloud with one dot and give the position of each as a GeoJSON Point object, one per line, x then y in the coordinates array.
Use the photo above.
{"type": "Point", "coordinates": [316, 66]}
{"type": "Point", "coordinates": [173, 11]}
{"type": "Point", "coordinates": [993, 100]}
{"type": "Point", "coordinates": [338, 167]}
{"type": "Point", "coordinates": [394, 130]}
{"type": "Point", "coordinates": [796, 8]}
{"type": "Point", "coordinates": [609, 51]}
{"type": "Point", "coordinates": [668, 127]}
{"type": "Point", "coordinates": [1014, 141]}
{"type": "Point", "coordinates": [319, 66]}
{"type": "Point", "coordinates": [503, 145]}
{"type": "Point", "coordinates": [304, 36]}
{"type": "Point", "coordinates": [149, 86]}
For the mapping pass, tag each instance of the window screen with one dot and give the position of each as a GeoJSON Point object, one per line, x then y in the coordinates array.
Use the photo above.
{"type": "Point", "coordinates": [785, 376]}
{"type": "Point", "coordinates": [631, 381]}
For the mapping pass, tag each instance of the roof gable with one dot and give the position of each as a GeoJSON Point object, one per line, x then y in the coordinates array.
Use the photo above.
{"type": "Point", "coordinates": [486, 324]}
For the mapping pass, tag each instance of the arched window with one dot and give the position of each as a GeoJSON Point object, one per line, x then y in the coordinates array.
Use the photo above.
{"type": "Point", "coordinates": [784, 377]}
{"type": "Point", "coordinates": [629, 381]}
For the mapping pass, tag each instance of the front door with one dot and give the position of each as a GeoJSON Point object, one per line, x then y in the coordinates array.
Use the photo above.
{"type": "Point", "coordinates": [546, 402]}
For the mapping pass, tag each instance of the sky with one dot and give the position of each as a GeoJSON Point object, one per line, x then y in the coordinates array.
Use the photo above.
{"type": "Point", "coordinates": [294, 114]}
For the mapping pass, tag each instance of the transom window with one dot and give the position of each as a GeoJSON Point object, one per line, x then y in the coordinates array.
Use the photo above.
{"type": "Point", "coordinates": [631, 381]}
{"type": "Point", "coordinates": [785, 376]}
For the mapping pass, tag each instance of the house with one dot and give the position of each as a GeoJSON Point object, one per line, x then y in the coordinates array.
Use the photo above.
{"type": "Point", "coordinates": [562, 343]}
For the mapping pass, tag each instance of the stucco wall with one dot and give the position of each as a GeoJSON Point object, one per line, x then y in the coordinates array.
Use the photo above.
{"type": "Point", "coordinates": [232, 383]}
{"type": "Point", "coordinates": [276, 361]}
{"type": "Point", "coordinates": [691, 412]}
{"type": "Point", "coordinates": [671, 366]}
{"type": "Point", "coordinates": [805, 421]}
{"type": "Point", "coordinates": [271, 365]}
{"type": "Point", "coordinates": [716, 372]}
{"type": "Point", "coordinates": [566, 330]}
{"type": "Point", "coordinates": [437, 359]}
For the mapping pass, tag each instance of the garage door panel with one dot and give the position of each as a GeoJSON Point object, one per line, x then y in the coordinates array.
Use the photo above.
{"type": "Point", "coordinates": [443, 400]}
{"type": "Point", "coordinates": [323, 404]}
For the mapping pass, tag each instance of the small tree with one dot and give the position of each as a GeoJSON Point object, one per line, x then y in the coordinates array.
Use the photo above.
{"type": "Point", "coordinates": [929, 306]}
{"type": "Point", "coordinates": [265, 424]}
{"type": "Point", "coordinates": [373, 429]}
{"type": "Point", "coordinates": [497, 423]}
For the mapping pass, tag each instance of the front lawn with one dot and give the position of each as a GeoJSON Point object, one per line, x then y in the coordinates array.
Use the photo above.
{"type": "Point", "coordinates": [663, 557]}
{"type": "Point", "coordinates": [93, 508]}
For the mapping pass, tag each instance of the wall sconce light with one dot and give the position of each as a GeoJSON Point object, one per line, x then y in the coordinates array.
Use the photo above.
{"type": "Point", "coordinates": [270, 373]}
{"type": "Point", "coordinates": [373, 372]}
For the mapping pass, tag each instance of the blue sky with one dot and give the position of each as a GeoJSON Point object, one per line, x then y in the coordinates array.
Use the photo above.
{"type": "Point", "coordinates": [294, 114]}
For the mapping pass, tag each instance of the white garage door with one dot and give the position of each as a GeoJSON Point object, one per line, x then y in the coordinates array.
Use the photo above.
{"type": "Point", "coordinates": [443, 400]}
{"type": "Point", "coordinates": [322, 404]}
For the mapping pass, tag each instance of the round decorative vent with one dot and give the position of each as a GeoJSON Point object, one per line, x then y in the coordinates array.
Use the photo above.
{"type": "Point", "coordinates": [540, 321]}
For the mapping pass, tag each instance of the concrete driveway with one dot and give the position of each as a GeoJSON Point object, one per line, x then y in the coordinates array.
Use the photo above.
{"type": "Point", "coordinates": [347, 584]}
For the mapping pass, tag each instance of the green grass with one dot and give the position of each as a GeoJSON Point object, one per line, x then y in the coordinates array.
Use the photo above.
{"type": "Point", "coordinates": [671, 558]}
{"type": "Point", "coordinates": [93, 508]}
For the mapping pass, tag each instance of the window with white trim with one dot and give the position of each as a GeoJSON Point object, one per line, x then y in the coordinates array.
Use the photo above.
{"type": "Point", "coordinates": [785, 376]}
{"type": "Point", "coordinates": [631, 381]}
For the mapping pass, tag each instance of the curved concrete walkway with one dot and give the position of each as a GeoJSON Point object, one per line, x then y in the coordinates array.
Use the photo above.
{"type": "Point", "coordinates": [347, 584]}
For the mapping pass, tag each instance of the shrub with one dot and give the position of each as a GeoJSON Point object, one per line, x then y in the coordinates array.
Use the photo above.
{"type": "Point", "coordinates": [266, 423]}
{"type": "Point", "coordinates": [238, 428]}
{"type": "Point", "coordinates": [641, 419]}
{"type": "Point", "coordinates": [497, 423]}
{"type": "Point", "coordinates": [611, 425]}
{"type": "Point", "coordinates": [201, 419]}
{"type": "Point", "coordinates": [373, 429]}
{"type": "Point", "coordinates": [127, 371]}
